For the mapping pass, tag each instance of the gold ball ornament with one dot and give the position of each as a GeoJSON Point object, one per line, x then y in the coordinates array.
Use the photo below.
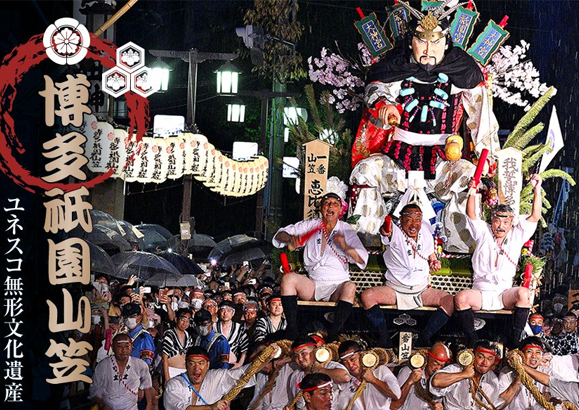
{"type": "Point", "coordinates": [453, 148]}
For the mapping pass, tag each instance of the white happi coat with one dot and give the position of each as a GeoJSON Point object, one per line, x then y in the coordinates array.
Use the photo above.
{"type": "Point", "coordinates": [278, 397]}
{"type": "Point", "coordinates": [371, 398]}
{"type": "Point", "coordinates": [178, 394]}
{"type": "Point", "coordinates": [337, 388]}
{"type": "Point", "coordinates": [326, 266]}
{"type": "Point", "coordinates": [120, 391]}
{"type": "Point", "coordinates": [486, 275]}
{"type": "Point", "coordinates": [412, 402]}
{"type": "Point", "coordinates": [405, 269]}
{"type": "Point", "coordinates": [523, 399]}
{"type": "Point", "coordinates": [458, 396]}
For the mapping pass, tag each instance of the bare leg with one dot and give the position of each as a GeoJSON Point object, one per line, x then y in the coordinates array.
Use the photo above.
{"type": "Point", "coordinates": [346, 292]}
{"type": "Point", "coordinates": [468, 299]}
{"type": "Point", "coordinates": [293, 284]}
{"type": "Point", "coordinates": [516, 297]}
{"type": "Point", "coordinates": [440, 298]}
{"type": "Point", "coordinates": [378, 295]}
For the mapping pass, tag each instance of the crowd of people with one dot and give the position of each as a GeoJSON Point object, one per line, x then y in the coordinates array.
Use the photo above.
{"type": "Point", "coordinates": [182, 348]}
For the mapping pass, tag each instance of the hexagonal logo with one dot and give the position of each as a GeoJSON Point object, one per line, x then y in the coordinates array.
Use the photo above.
{"type": "Point", "coordinates": [142, 82]}
{"type": "Point", "coordinates": [116, 82]}
{"type": "Point", "coordinates": [130, 57]}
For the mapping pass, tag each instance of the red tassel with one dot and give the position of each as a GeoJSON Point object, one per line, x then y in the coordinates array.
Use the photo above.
{"type": "Point", "coordinates": [503, 22]}
{"type": "Point", "coordinates": [469, 5]}
{"type": "Point", "coordinates": [360, 12]}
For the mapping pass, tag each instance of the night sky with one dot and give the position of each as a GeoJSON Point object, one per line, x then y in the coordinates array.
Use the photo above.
{"type": "Point", "coordinates": [550, 27]}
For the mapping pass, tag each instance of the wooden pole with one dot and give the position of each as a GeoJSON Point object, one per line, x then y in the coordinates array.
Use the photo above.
{"type": "Point", "coordinates": [114, 18]}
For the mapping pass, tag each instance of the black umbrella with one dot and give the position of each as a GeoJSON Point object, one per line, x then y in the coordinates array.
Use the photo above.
{"type": "Point", "coordinates": [100, 261]}
{"type": "Point", "coordinates": [183, 264]}
{"type": "Point", "coordinates": [141, 264]}
{"type": "Point", "coordinates": [106, 238]}
{"type": "Point", "coordinates": [229, 244]}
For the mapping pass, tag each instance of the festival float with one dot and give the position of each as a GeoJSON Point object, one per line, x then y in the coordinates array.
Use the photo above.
{"type": "Point", "coordinates": [441, 136]}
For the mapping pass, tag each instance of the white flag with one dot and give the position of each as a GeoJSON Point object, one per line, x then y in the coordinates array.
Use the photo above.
{"type": "Point", "coordinates": [554, 140]}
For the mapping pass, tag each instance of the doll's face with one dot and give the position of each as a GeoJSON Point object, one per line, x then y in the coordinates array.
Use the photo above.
{"type": "Point", "coordinates": [428, 52]}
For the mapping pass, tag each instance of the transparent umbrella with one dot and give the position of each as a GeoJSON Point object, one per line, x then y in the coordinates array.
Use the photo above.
{"type": "Point", "coordinates": [237, 258]}
{"type": "Point", "coordinates": [152, 241]}
{"type": "Point", "coordinates": [131, 234]}
{"type": "Point", "coordinates": [164, 232]}
{"type": "Point", "coordinates": [141, 264]}
{"type": "Point", "coordinates": [100, 261]}
{"type": "Point", "coordinates": [104, 219]}
{"type": "Point", "coordinates": [200, 243]}
{"type": "Point", "coordinates": [108, 239]}
{"type": "Point", "coordinates": [183, 264]}
{"type": "Point", "coordinates": [163, 279]}
{"type": "Point", "coordinates": [229, 244]}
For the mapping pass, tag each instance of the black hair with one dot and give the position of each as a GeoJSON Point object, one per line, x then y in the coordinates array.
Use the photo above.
{"type": "Point", "coordinates": [183, 311]}
{"type": "Point", "coordinates": [197, 350]}
{"type": "Point", "coordinates": [408, 207]}
{"type": "Point", "coordinates": [532, 340]}
{"type": "Point", "coordinates": [348, 345]}
{"type": "Point", "coordinates": [313, 380]}
{"type": "Point", "coordinates": [487, 345]}
{"type": "Point", "coordinates": [502, 208]}
{"type": "Point", "coordinates": [302, 340]}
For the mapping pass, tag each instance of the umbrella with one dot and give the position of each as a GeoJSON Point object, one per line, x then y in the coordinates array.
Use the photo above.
{"type": "Point", "coordinates": [237, 258]}
{"type": "Point", "coordinates": [164, 232]}
{"type": "Point", "coordinates": [229, 244]}
{"type": "Point", "coordinates": [131, 234]}
{"type": "Point", "coordinates": [152, 241]}
{"type": "Point", "coordinates": [164, 279]}
{"type": "Point", "coordinates": [104, 219]}
{"type": "Point", "coordinates": [183, 264]}
{"type": "Point", "coordinates": [141, 264]}
{"type": "Point", "coordinates": [104, 237]}
{"type": "Point", "coordinates": [200, 243]}
{"type": "Point", "coordinates": [100, 261]}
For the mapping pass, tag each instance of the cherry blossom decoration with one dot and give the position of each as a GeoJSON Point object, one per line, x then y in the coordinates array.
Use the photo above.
{"type": "Point", "coordinates": [66, 41]}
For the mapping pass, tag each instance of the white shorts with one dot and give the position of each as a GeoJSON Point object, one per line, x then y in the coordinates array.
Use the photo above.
{"type": "Point", "coordinates": [491, 299]}
{"type": "Point", "coordinates": [325, 290]}
{"type": "Point", "coordinates": [406, 298]}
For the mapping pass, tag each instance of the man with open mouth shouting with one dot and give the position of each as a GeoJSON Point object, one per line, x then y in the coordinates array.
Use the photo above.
{"type": "Point", "coordinates": [330, 246]}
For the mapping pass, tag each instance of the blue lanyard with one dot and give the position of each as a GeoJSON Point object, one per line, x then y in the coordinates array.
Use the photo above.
{"type": "Point", "coordinates": [184, 376]}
